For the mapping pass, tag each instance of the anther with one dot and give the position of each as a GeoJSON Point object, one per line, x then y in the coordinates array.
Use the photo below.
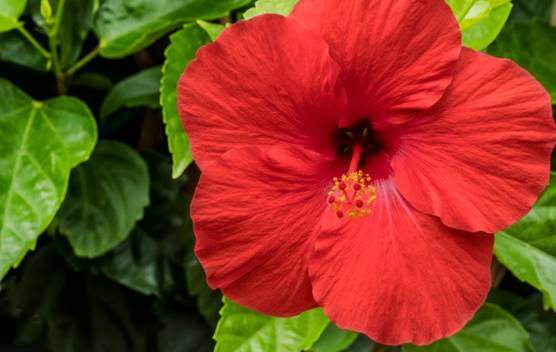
{"type": "Point", "coordinates": [352, 194]}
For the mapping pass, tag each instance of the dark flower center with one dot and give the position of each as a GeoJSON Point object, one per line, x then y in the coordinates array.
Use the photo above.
{"type": "Point", "coordinates": [361, 134]}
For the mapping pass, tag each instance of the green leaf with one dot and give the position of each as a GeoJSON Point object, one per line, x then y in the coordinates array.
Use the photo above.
{"type": "Point", "coordinates": [31, 296]}
{"type": "Point", "coordinates": [364, 344]}
{"type": "Point", "coordinates": [141, 89]}
{"type": "Point", "coordinates": [532, 45]}
{"type": "Point", "coordinates": [528, 248]}
{"type": "Point", "coordinates": [492, 329]}
{"type": "Point", "coordinates": [280, 7]}
{"type": "Point", "coordinates": [10, 10]}
{"type": "Point", "coordinates": [334, 339]}
{"type": "Point", "coordinates": [528, 264]}
{"type": "Point", "coordinates": [209, 301]}
{"type": "Point", "coordinates": [94, 315]}
{"type": "Point", "coordinates": [150, 260]}
{"type": "Point", "coordinates": [180, 331]}
{"type": "Point", "coordinates": [46, 11]}
{"type": "Point", "coordinates": [527, 9]}
{"type": "Point", "coordinates": [137, 264]}
{"type": "Point", "coordinates": [540, 324]}
{"type": "Point", "coordinates": [480, 20]}
{"type": "Point", "coordinates": [183, 46]}
{"type": "Point", "coordinates": [75, 24]}
{"type": "Point", "coordinates": [213, 29]}
{"type": "Point", "coordinates": [125, 27]}
{"type": "Point", "coordinates": [40, 144]}
{"type": "Point", "coordinates": [107, 196]}
{"type": "Point", "coordinates": [243, 330]}
{"type": "Point", "coordinates": [14, 48]}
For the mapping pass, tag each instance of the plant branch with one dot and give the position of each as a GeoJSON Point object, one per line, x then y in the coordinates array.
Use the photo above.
{"type": "Point", "coordinates": [60, 77]}
{"type": "Point", "coordinates": [379, 348]}
{"type": "Point", "coordinates": [33, 41]}
{"type": "Point", "coordinates": [85, 60]}
{"type": "Point", "coordinates": [53, 43]}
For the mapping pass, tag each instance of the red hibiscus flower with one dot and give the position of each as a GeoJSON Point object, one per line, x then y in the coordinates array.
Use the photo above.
{"type": "Point", "coordinates": [355, 157]}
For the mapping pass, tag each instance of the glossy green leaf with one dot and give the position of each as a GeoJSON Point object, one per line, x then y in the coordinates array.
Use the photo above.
{"type": "Point", "coordinates": [492, 329]}
{"type": "Point", "coordinates": [10, 10]}
{"type": "Point", "coordinates": [75, 24]}
{"type": "Point", "coordinates": [334, 339]}
{"type": "Point", "coordinates": [14, 48]}
{"type": "Point", "coordinates": [243, 330]}
{"type": "Point", "coordinates": [125, 27]}
{"type": "Point", "coordinates": [528, 264]}
{"type": "Point", "coordinates": [528, 248]}
{"type": "Point", "coordinates": [40, 144]}
{"type": "Point", "coordinates": [532, 45]}
{"type": "Point", "coordinates": [280, 7]}
{"type": "Point", "coordinates": [213, 29]}
{"type": "Point", "coordinates": [183, 46]}
{"type": "Point", "coordinates": [150, 260]}
{"type": "Point", "coordinates": [538, 228]}
{"type": "Point", "coordinates": [136, 263]}
{"type": "Point", "coordinates": [141, 89]}
{"type": "Point", "coordinates": [107, 196]}
{"type": "Point", "coordinates": [480, 20]}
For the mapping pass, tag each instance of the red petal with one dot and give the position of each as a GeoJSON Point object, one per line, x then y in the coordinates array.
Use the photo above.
{"type": "Point", "coordinates": [480, 158]}
{"type": "Point", "coordinates": [395, 54]}
{"type": "Point", "coordinates": [399, 275]}
{"type": "Point", "coordinates": [255, 215]}
{"type": "Point", "coordinates": [264, 81]}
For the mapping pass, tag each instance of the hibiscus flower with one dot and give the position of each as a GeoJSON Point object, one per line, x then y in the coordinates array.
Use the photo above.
{"type": "Point", "coordinates": [355, 157]}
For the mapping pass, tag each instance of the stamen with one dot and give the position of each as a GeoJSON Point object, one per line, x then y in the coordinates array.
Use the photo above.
{"type": "Point", "coordinates": [353, 193]}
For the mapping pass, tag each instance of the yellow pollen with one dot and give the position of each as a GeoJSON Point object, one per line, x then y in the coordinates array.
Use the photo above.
{"type": "Point", "coordinates": [352, 195]}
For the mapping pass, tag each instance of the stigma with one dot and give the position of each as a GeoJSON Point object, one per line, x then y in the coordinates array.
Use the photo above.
{"type": "Point", "coordinates": [352, 195]}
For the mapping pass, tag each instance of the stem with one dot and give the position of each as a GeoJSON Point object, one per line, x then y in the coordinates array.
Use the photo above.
{"type": "Point", "coordinates": [33, 41]}
{"type": "Point", "coordinates": [58, 20]}
{"type": "Point", "coordinates": [60, 77]}
{"type": "Point", "coordinates": [85, 60]}
{"type": "Point", "coordinates": [53, 43]}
